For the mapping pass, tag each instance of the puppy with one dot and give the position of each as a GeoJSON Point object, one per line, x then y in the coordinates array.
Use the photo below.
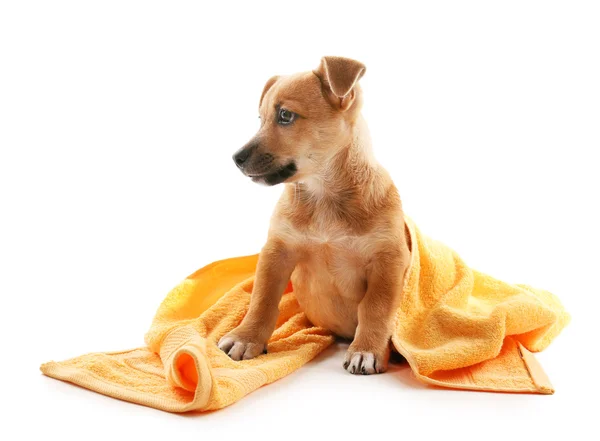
{"type": "Point", "coordinates": [338, 230]}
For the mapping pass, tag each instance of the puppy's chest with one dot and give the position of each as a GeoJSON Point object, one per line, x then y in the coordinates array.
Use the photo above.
{"type": "Point", "coordinates": [329, 257]}
{"type": "Point", "coordinates": [329, 241]}
{"type": "Point", "coordinates": [330, 277]}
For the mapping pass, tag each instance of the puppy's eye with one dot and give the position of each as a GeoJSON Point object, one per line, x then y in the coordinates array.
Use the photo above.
{"type": "Point", "coordinates": [285, 117]}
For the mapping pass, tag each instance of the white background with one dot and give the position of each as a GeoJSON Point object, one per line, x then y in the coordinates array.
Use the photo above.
{"type": "Point", "coordinates": [117, 124]}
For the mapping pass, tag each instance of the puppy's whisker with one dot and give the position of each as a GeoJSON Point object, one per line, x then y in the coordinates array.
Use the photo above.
{"type": "Point", "coordinates": [296, 196]}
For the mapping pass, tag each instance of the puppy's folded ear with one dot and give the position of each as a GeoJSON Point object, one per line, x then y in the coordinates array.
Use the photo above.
{"type": "Point", "coordinates": [269, 84]}
{"type": "Point", "coordinates": [339, 75]}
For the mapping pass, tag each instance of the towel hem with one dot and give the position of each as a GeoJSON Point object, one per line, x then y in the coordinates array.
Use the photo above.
{"type": "Point", "coordinates": [89, 381]}
{"type": "Point", "coordinates": [537, 374]}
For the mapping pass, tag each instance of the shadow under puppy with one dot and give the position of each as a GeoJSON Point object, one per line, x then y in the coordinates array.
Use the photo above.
{"type": "Point", "coordinates": [338, 229]}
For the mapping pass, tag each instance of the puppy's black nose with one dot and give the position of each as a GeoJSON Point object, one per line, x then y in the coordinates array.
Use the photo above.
{"type": "Point", "coordinates": [240, 156]}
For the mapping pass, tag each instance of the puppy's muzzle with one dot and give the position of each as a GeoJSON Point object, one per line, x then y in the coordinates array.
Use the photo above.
{"type": "Point", "coordinates": [263, 167]}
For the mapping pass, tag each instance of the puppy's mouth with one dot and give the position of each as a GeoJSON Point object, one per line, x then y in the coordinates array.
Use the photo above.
{"type": "Point", "coordinates": [277, 176]}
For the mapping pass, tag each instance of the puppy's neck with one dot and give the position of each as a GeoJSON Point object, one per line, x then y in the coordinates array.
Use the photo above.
{"type": "Point", "coordinates": [352, 170]}
{"type": "Point", "coordinates": [348, 190]}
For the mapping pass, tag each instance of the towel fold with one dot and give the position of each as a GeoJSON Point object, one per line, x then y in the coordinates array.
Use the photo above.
{"type": "Point", "coordinates": [456, 327]}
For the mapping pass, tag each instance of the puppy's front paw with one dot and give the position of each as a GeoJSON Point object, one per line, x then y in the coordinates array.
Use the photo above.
{"type": "Point", "coordinates": [241, 348]}
{"type": "Point", "coordinates": [365, 362]}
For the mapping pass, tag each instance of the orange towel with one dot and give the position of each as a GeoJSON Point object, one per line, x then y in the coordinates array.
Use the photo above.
{"type": "Point", "coordinates": [457, 328]}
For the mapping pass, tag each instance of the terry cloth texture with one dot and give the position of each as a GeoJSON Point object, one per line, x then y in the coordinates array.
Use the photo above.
{"type": "Point", "coordinates": [456, 327]}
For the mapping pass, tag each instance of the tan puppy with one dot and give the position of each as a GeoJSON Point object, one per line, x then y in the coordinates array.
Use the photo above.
{"type": "Point", "coordinates": [338, 230]}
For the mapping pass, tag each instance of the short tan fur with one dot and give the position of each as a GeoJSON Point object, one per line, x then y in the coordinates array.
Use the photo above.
{"type": "Point", "coordinates": [338, 229]}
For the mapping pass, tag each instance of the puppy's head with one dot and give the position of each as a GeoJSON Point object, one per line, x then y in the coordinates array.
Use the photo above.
{"type": "Point", "coordinates": [306, 119]}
